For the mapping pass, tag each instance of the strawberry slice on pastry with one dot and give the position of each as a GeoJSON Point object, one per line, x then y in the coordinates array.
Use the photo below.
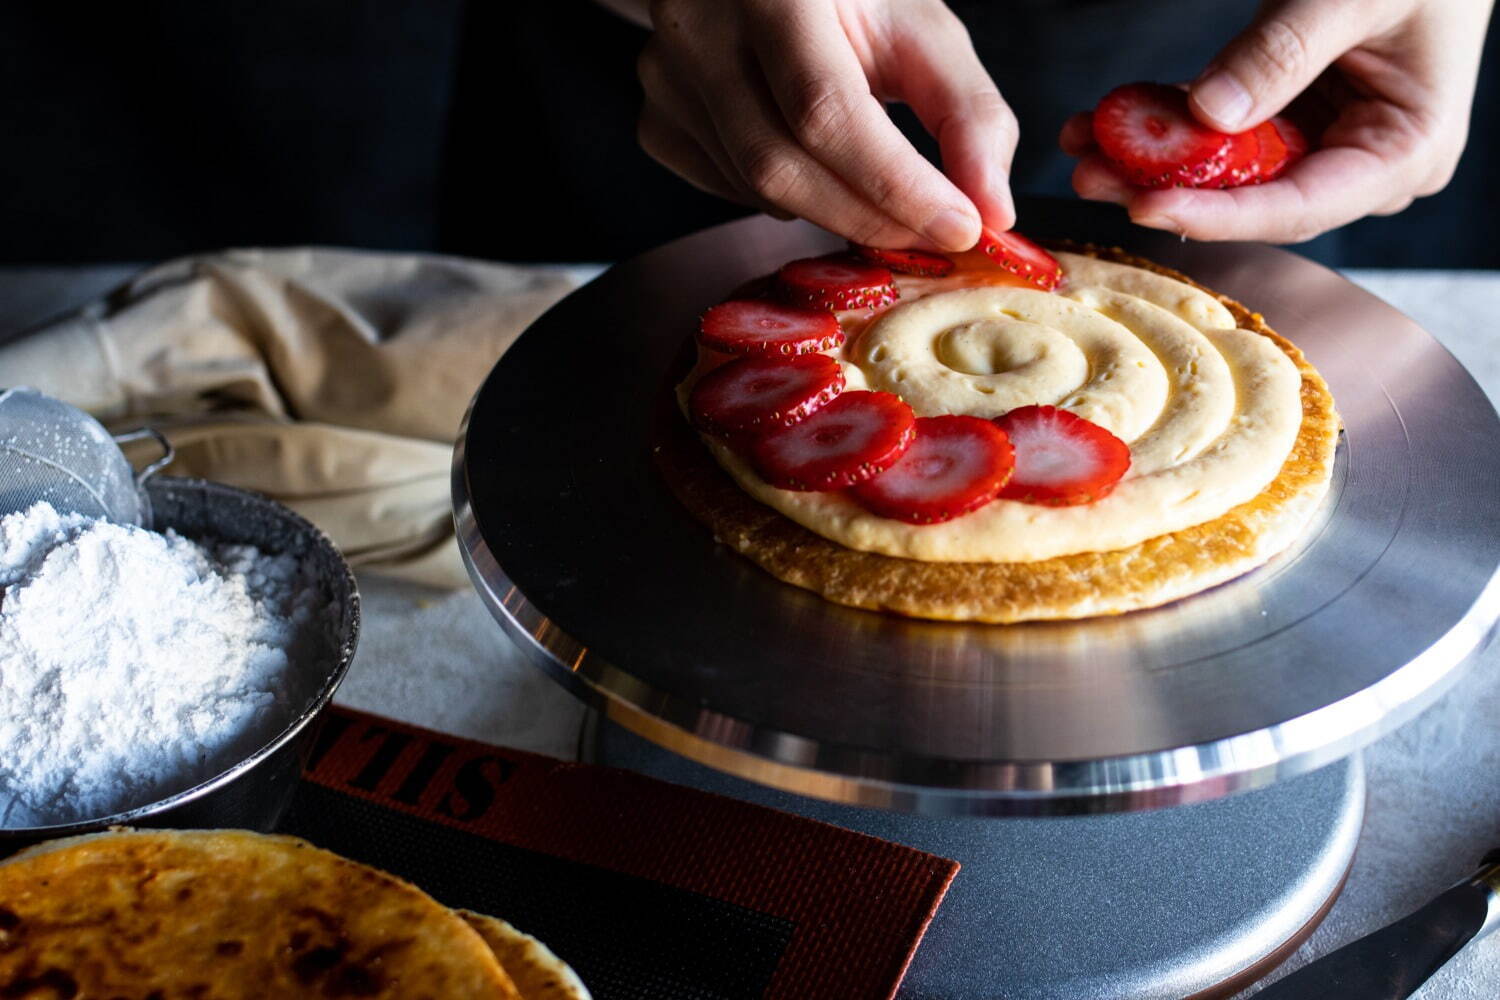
{"type": "Point", "coordinates": [751, 395]}
{"type": "Point", "coordinates": [930, 265]}
{"type": "Point", "coordinates": [1061, 458]}
{"type": "Point", "coordinates": [836, 281]}
{"type": "Point", "coordinates": [955, 465]}
{"type": "Point", "coordinates": [755, 326]}
{"type": "Point", "coordinates": [858, 435]}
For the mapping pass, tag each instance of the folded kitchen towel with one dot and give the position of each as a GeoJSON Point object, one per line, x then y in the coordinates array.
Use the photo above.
{"type": "Point", "coordinates": [332, 380]}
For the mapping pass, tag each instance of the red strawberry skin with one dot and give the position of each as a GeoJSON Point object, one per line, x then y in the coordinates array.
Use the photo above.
{"type": "Point", "coordinates": [858, 435]}
{"type": "Point", "coordinates": [1021, 257]}
{"type": "Point", "coordinates": [1291, 134]}
{"type": "Point", "coordinates": [836, 281]}
{"type": "Point", "coordinates": [930, 265]}
{"type": "Point", "coordinates": [752, 326]}
{"type": "Point", "coordinates": [1241, 163]}
{"type": "Point", "coordinates": [1149, 134]}
{"type": "Point", "coordinates": [752, 395]}
{"type": "Point", "coordinates": [1061, 458]}
{"type": "Point", "coordinates": [1282, 144]}
{"type": "Point", "coordinates": [955, 465]}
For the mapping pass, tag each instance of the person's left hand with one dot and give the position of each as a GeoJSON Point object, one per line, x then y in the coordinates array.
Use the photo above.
{"type": "Point", "coordinates": [1396, 77]}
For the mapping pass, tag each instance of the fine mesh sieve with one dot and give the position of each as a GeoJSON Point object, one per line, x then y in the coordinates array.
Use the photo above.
{"type": "Point", "coordinates": [55, 452]}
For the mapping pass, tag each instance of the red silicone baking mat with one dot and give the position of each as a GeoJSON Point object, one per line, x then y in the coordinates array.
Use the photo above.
{"type": "Point", "coordinates": [650, 890]}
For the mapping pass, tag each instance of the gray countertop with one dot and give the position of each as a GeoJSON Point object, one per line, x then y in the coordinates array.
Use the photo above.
{"type": "Point", "coordinates": [436, 659]}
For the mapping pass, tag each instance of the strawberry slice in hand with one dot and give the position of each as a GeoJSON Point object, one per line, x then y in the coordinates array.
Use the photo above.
{"type": "Point", "coordinates": [751, 395]}
{"type": "Point", "coordinates": [1061, 458]}
{"type": "Point", "coordinates": [1021, 257]}
{"type": "Point", "coordinates": [1148, 133]}
{"type": "Point", "coordinates": [1292, 135]}
{"type": "Point", "coordinates": [754, 326]}
{"type": "Point", "coordinates": [929, 265]}
{"type": "Point", "coordinates": [858, 435]}
{"type": "Point", "coordinates": [837, 281]}
{"type": "Point", "coordinates": [1241, 163]}
{"type": "Point", "coordinates": [955, 465]}
{"type": "Point", "coordinates": [1281, 144]}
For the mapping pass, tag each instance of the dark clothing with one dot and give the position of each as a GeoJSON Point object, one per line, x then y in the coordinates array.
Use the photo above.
{"type": "Point", "coordinates": [506, 129]}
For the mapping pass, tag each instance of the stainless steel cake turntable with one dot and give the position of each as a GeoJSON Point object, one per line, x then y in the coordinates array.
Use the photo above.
{"type": "Point", "coordinates": [588, 562]}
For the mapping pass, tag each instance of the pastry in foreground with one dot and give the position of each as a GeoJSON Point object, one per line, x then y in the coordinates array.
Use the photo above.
{"type": "Point", "coordinates": [1163, 438]}
{"type": "Point", "coordinates": [538, 974]}
{"type": "Point", "coordinates": [228, 914]}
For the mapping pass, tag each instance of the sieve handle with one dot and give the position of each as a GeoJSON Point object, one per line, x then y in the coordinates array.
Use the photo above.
{"type": "Point", "coordinates": [167, 452]}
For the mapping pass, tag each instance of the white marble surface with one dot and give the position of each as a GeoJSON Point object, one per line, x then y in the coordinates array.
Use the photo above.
{"type": "Point", "coordinates": [1434, 806]}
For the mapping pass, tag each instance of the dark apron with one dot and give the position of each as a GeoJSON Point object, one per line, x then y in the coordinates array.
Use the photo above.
{"type": "Point", "coordinates": [505, 130]}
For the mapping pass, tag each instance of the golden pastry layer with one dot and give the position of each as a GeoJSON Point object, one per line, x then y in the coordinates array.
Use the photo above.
{"type": "Point", "coordinates": [1232, 449]}
{"type": "Point", "coordinates": [538, 974]}
{"type": "Point", "coordinates": [227, 914]}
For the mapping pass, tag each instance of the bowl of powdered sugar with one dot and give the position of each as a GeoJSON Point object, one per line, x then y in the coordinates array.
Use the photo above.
{"type": "Point", "coordinates": [164, 677]}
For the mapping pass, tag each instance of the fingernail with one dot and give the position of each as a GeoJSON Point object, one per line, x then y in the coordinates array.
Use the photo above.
{"type": "Point", "coordinates": [1008, 206]}
{"type": "Point", "coordinates": [1224, 99]}
{"type": "Point", "coordinates": [1164, 222]}
{"type": "Point", "coordinates": [998, 183]}
{"type": "Point", "coordinates": [951, 230]}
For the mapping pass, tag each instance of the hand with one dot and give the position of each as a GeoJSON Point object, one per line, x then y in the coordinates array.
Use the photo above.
{"type": "Point", "coordinates": [778, 104]}
{"type": "Point", "coordinates": [1393, 78]}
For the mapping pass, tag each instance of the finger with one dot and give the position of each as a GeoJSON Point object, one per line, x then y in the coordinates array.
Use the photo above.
{"type": "Point", "coordinates": [1096, 180]}
{"type": "Point", "coordinates": [768, 161]}
{"type": "Point", "coordinates": [682, 154]}
{"type": "Point", "coordinates": [669, 113]}
{"type": "Point", "coordinates": [934, 70]}
{"type": "Point", "coordinates": [822, 95]}
{"type": "Point", "coordinates": [1275, 59]}
{"type": "Point", "coordinates": [780, 173]}
{"type": "Point", "coordinates": [1077, 135]}
{"type": "Point", "coordinates": [1326, 189]}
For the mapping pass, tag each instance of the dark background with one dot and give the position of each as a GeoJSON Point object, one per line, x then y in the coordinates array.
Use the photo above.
{"type": "Point", "coordinates": [502, 129]}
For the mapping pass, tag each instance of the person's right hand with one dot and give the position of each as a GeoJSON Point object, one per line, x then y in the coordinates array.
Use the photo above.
{"type": "Point", "coordinates": [777, 104]}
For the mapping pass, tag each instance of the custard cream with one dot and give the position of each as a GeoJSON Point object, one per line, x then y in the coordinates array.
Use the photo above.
{"type": "Point", "coordinates": [1210, 411]}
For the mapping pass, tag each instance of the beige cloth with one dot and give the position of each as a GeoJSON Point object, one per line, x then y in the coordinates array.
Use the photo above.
{"type": "Point", "coordinates": [332, 380]}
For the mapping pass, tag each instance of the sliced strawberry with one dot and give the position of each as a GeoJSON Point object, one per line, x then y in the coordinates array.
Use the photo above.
{"type": "Point", "coordinates": [752, 326]}
{"type": "Point", "coordinates": [858, 435]}
{"type": "Point", "coordinates": [1021, 257]}
{"type": "Point", "coordinates": [955, 465]}
{"type": "Point", "coordinates": [1240, 165]}
{"type": "Point", "coordinates": [1061, 458]}
{"type": "Point", "coordinates": [837, 281]}
{"type": "Point", "coordinates": [931, 265]}
{"type": "Point", "coordinates": [1291, 134]}
{"type": "Point", "coordinates": [750, 395]}
{"type": "Point", "coordinates": [1281, 144]}
{"type": "Point", "coordinates": [1148, 132]}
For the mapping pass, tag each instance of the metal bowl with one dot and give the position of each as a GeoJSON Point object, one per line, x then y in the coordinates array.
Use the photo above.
{"type": "Point", "coordinates": [253, 793]}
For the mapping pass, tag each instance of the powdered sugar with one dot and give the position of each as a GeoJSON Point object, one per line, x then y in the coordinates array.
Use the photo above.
{"type": "Point", "coordinates": [135, 664]}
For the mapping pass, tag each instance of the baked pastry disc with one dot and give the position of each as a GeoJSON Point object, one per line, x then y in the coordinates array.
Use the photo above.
{"type": "Point", "coordinates": [538, 974]}
{"type": "Point", "coordinates": [586, 559]}
{"type": "Point", "coordinates": [229, 914]}
{"type": "Point", "coordinates": [1145, 575]}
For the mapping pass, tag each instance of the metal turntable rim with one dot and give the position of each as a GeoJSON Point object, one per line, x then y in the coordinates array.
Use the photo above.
{"type": "Point", "coordinates": [624, 598]}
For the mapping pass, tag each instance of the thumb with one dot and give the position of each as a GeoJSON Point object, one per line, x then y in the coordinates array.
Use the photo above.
{"type": "Point", "coordinates": [1272, 61]}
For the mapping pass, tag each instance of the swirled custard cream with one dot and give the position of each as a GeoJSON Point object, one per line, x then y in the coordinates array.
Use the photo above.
{"type": "Point", "coordinates": [1231, 435]}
